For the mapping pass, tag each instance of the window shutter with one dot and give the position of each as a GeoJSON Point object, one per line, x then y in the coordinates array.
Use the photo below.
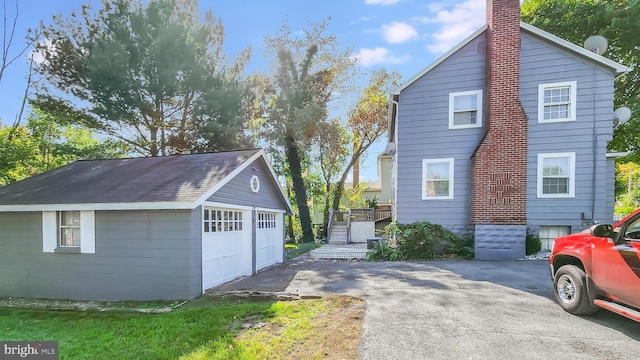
{"type": "Point", "coordinates": [87, 232]}
{"type": "Point", "coordinates": [49, 231]}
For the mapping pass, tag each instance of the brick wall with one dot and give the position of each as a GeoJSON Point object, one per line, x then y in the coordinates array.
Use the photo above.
{"type": "Point", "coordinates": [499, 170]}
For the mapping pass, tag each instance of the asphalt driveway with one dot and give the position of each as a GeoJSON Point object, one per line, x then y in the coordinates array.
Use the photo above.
{"type": "Point", "coordinates": [457, 310]}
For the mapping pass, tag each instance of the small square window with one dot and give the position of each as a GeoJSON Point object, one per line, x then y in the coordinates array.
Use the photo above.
{"type": "Point", "coordinates": [557, 102]}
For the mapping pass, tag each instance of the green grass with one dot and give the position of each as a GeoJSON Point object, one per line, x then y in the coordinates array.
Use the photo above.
{"type": "Point", "coordinates": [127, 335]}
{"type": "Point", "coordinates": [295, 250]}
{"type": "Point", "coordinates": [205, 328]}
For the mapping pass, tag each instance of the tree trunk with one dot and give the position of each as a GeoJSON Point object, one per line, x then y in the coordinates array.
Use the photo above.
{"type": "Point", "coordinates": [153, 138]}
{"type": "Point", "coordinates": [340, 186]}
{"type": "Point", "coordinates": [293, 159]}
{"type": "Point", "coordinates": [290, 234]}
{"type": "Point", "coordinates": [325, 213]}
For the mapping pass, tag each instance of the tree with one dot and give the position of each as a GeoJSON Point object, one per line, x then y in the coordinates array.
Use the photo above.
{"type": "Point", "coordinates": [368, 120]}
{"type": "Point", "coordinates": [616, 20]}
{"type": "Point", "coordinates": [309, 69]}
{"type": "Point", "coordinates": [43, 144]}
{"type": "Point", "coordinates": [330, 148]}
{"type": "Point", "coordinates": [149, 73]}
{"type": "Point", "coordinates": [627, 188]}
{"type": "Point", "coordinates": [8, 56]}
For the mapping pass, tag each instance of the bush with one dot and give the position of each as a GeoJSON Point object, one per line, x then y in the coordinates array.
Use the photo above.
{"type": "Point", "coordinates": [533, 243]}
{"type": "Point", "coordinates": [421, 241]}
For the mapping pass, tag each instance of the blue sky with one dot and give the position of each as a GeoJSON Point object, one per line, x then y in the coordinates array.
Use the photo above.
{"type": "Point", "coordinates": [401, 35]}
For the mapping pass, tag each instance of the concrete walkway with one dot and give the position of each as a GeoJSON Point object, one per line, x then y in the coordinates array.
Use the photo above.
{"type": "Point", "coordinates": [457, 310]}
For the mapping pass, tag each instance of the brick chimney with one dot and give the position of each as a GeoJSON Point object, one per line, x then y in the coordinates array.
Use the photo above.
{"type": "Point", "coordinates": [499, 165]}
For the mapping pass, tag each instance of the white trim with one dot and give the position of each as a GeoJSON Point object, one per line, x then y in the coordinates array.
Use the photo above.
{"type": "Point", "coordinates": [619, 68]}
{"type": "Point", "coordinates": [452, 96]}
{"type": "Point", "coordinates": [425, 162]}
{"type": "Point", "coordinates": [87, 232]}
{"type": "Point", "coordinates": [242, 207]}
{"type": "Point", "coordinates": [237, 171]}
{"type": "Point", "coordinates": [228, 178]}
{"type": "Point", "coordinates": [49, 231]}
{"type": "Point", "coordinates": [572, 174]}
{"type": "Point", "coordinates": [101, 206]}
{"type": "Point", "coordinates": [613, 155]}
{"type": "Point", "coordinates": [254, 183]}
{"type": "Point", "coordinates": [163, 205]}
{"type": "Point", "coordinates": [573, 98]}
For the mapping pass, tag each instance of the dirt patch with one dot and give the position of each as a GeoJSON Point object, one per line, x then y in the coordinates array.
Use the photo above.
{"type": "Point", "coordinates": [336, 333]}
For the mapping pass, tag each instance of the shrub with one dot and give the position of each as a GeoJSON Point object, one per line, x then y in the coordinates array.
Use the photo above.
{"type": "Point", "coordinates": [422, 241]}
{"type": "Point", "coordinates": [533, 243]}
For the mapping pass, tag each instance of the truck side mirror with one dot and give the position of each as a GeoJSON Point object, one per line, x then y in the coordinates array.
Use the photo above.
{"type": "Point", "coordinates": [602, 230]}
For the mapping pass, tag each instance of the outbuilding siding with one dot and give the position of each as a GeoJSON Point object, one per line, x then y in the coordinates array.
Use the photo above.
{"type": "Point", "coordinates": [238, 190]}
{"type": "Point", "coordinates": [140, 255]}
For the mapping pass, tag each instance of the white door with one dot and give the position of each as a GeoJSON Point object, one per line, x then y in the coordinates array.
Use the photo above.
{"type": "Point", "coordinates": [224, 244]}
{"type": "Point", "coordinates": [269, 239]}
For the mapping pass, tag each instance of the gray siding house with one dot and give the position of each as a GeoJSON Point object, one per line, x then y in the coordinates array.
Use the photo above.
{"type": "Point", "coordinates": [141, 229]}
{"type": "Point", "coordinates": [506, 132]}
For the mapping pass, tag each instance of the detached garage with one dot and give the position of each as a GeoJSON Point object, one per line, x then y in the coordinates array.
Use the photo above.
{"type": "Point", "coordinates": [141, 229]}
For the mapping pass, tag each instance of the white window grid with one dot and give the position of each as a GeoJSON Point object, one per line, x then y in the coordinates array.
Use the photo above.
{"type": "Point", "coordinates": [222, 220]}
{"type": "Point", "coordinates": [69, 228]}
{"type": "Point", "coordinates": [557, 102]}
{"type": "Point", "coordinates": [266, 220]}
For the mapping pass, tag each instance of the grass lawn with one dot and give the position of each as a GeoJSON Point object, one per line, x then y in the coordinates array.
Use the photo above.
{"type": "Point", "coordinates": [205, 328]}
{"type": "Point", "coordinates": [295, 250]}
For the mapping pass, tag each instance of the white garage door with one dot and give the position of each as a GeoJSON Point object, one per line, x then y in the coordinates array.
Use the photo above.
{"type": "Point", "coordinates": [269, 239]}
{"type": "Point", "coordinates": [224, 246]}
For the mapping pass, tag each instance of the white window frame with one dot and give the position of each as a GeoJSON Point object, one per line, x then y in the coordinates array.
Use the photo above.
{"type": "Point", "coordinates": [425, 164]}
{"type": "Point", "coordinates": [572, 174]}
{"type": "Point", "coordinates": [218, 220]}
{"type": "Point", "coordinates": [573, 86]}
{"type": "Point", "coordinates": [452, 96]}
{"type": "Point", "coordinates": [51, 233]}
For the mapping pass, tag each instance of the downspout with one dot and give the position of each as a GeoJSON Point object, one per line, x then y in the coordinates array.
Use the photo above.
{"type": "Point", "coordinates": [595, 158]}
{"type": "Point", "coordinates": [394, 161]}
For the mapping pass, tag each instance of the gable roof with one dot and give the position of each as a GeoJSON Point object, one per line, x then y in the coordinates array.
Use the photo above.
{"type": "Point", "coordinates": [618, 68]}
{"type": "Point", "coordinates": [167, 182]}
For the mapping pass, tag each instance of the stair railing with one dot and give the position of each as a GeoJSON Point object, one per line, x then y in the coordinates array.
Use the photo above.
{"type": "Point", "coordinates": [329, 225]}
{"type": "Point", "coordinates": [349, 227]}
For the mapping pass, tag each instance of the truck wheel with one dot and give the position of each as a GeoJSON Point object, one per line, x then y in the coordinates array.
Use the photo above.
{"type": "Point", "coordinates": [570, 291]}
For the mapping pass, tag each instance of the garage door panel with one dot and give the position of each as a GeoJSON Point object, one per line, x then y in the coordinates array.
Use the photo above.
{"type": "Point", "coordinates": [269, 238]}
{"type": "Point", "coordinates": [222, 245]}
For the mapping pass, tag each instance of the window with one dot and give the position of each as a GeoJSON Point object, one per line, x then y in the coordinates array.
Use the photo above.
{"type": "Point", "coordinates": [69, 228]}
{"type": "Point", "coordinates": [437, 179]}
{"type": "Point", "coordinates": [465, 109]}
{"type": "Point", "coordinates": [548, 235]}
{"type": "Point", "coordinates": [69, 231]}
{"type": "Point", "coordinates": [221, 220]}
{"type": "Point", "coordinates": [266, 220]}
{"type": "Point", "coordinates": [556, 175]}
{"type": "Point", "coordinates": [557, 102]}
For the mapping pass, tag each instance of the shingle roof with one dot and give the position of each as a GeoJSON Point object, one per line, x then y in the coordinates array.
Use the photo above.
{"type": "Point", "coordinates": [179, 178]}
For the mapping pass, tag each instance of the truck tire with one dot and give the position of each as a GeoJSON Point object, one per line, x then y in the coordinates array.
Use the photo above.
{"type": "Point", "coordinates": [570, 290]}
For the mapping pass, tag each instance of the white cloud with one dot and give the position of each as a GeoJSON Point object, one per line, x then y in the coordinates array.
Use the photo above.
{"type": "Point", "coordinates": [455, 23]}
{"type": "Point", "coordinates": [36, 54]}
{"type": "Point", "coordinates": [381, 2]}
{"type": "Point", "coordinates": [370, 57]}
{"type": "Point", "coordinates": [398, 32]}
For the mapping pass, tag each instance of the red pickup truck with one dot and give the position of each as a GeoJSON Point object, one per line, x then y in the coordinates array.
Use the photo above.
{"type": "Point", "coordinates": [599, 268]}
